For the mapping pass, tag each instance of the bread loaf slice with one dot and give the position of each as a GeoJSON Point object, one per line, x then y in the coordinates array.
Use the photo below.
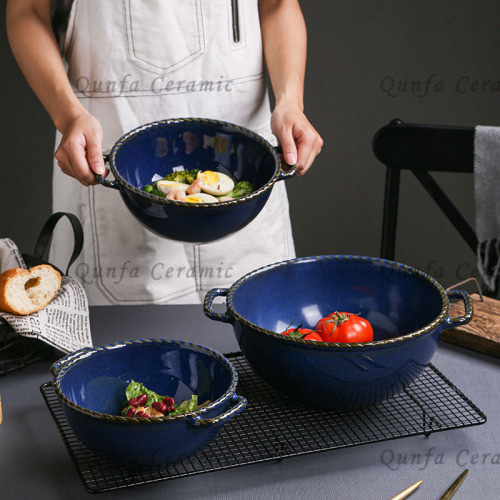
{"type": "Point", "coordinates": [27, 291]}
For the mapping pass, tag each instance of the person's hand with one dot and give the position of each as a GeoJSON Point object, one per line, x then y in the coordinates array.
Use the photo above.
{"type": "Point", "coordinates": [80, 152]}
{"type": "Point", "coordinates": [299, 140]}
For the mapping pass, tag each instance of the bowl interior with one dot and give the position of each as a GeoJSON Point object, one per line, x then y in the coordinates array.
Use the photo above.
{"type": "Point", "coordinates": [162, 148]}
{"type": "Point", "coordinates": [98, 382]}
{"type": "Point", "coordinates": [394, 299]}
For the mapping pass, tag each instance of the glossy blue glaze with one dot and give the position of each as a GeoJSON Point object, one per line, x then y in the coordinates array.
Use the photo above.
{"type": "Point", "coordinates": [407, 309]}
{"type": "Point", "coordinates": [91, 384]}
{"type": "Point", "coordinates": [162, 147]}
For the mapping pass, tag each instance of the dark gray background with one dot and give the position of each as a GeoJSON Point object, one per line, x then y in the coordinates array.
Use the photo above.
{"type": "Point", "coordinates": [354, 47]}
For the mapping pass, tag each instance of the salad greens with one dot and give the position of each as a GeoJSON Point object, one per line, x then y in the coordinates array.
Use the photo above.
{"type": "Point", "coordinates": [186, 405]}
{"type": "Point", "coordinates": [241, 188]}
{"type": "Point", "coordinates": [183, 176]}
{"type": "Point", "coordinates": [191, 175]}
{"type": "Point", "coordinates": [152, 190]}
{"type": "Point", "coordinates": [136, 389]}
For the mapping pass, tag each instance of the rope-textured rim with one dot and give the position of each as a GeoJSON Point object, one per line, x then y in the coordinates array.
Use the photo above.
{"type": "Point", "coordinates": [75, 358]}
{"type": "Point", "coordinates": [345, 346]}
{"type": "Point", "coordinates": [143, 129]}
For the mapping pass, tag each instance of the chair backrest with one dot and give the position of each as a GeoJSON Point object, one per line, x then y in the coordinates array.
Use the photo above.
{"type": "Point", "coordinates": [421, 149]}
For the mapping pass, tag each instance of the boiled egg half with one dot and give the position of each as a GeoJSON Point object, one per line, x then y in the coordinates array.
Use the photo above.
{"type": "Point", "coordinates": [167, 186]}
{"type": "Point", "coordinates": [215, 183]}
{"type": "Point", "coordinates": [200, 198]}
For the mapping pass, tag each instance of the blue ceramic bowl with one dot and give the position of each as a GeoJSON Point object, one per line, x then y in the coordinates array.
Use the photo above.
{"type": "Point", "coordinates": [91, 383]}
{"type": "Point", "coordinates": [164, 146]}
{"type": "Point", "coordinates": [407, 309]}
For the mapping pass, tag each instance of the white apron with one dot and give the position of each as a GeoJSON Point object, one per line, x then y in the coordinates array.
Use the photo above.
{"type": "Point", "coordinates": [131, 62]}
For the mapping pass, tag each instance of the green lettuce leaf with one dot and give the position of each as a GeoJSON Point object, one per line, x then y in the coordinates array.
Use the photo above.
{"type": "Point", "coordinates": [135, 389]}
{"type": "Point", "coordinates": [186, 405]}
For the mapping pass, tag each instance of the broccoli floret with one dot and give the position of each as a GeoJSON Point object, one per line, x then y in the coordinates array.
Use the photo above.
{"type": "Point", "coordinates": [151, 189]}
{"type": "Point", "coordinates": [179, 176]}
{"type": "Point", "coordinates": [157, 192]}
{"type": "Point", "coordinates": [191, 175]}
{"type": "Point", "coordinates": [242, 188]}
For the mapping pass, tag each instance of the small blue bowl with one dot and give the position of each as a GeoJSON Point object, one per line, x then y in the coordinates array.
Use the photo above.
{"type": "Point", "coordinates": [407, 309]}
{"type": "Point", "coordinates": [90, 384]}
{"type": "Point", "coordinates": [186, 143]}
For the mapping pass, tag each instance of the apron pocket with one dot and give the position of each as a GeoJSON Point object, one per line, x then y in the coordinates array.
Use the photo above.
{"type": "Point", "coordinates": [236, 25]}
{"type": "Point", "coordinates": [164, 35]}
{"type": "Point", "coordinates": [235, 15]}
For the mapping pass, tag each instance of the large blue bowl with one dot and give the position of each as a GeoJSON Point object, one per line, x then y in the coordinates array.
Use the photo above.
{"type": "Point", "coordinates": [407, 309]}
{"type": "Point", "coordinates": [164, 146]}
{"type": "Point", "coordinates": [90, 384]}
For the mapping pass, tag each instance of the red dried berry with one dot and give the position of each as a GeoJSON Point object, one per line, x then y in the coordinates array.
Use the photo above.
{"type": "Point", "coordinates": [141, 414]}
{"type": "Point", "coordinates": [139, 400]}
{"type": "Point", "coordinates": [131, 412]}
{"type": "Point", "coordinates": [161, 407]}
{"type": "Point", "coordinates": [170, 404]}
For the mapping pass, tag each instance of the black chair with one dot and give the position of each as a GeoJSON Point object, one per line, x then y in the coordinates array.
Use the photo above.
{"type": "Point", "coordinates": [422, 149]}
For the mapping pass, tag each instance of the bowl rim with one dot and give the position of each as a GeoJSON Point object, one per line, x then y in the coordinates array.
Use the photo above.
{"type": "Point", "coordinates": [86, 353]}
{"type": "Point", "coordinates": [143, 129]}
{"type": "Point", "coordinates": [341, 346]}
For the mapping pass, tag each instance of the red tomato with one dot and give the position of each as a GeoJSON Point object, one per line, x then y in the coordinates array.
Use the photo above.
{"type": "Point", "coordinates": [302, 333]}
{"type": "Point", "coordinates": [344, 327]}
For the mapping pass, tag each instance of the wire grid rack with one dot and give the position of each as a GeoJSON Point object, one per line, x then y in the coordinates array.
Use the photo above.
{"type": "Point", "coordinates": [274, 427]}
{"type": "Point", "coordinates": [17, 352]}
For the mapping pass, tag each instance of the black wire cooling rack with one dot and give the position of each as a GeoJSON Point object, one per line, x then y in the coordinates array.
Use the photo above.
{"type": "Point", "coordinates": [274, 427]}
{"type": "Point", "coordinates": [17, 352]}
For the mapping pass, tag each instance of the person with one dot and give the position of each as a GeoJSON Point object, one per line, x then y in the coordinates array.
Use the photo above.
{"type": "Point", "coordinates": [123, 63]}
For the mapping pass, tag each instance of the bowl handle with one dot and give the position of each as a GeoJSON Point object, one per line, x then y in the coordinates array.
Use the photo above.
{"type": "Point", "coordinates": [240, 403]}
{"type": "Point", "coordinates": [284, 174]}
{"type": "Point", "coordinates": [69, 358]}
{"type": "Point", "coordinates": [207, 305]}
{"type": "Point", "coordinates": [101, 180]}
{"type": "Point", "coordinates": [469, 309]}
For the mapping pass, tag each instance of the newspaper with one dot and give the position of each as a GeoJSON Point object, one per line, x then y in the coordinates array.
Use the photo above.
{"type": "Point", "coordinates": [64, 323]}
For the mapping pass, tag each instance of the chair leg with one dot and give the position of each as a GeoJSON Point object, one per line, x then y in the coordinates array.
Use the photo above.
{"type": "Point", "coordinates": [390, 216]}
